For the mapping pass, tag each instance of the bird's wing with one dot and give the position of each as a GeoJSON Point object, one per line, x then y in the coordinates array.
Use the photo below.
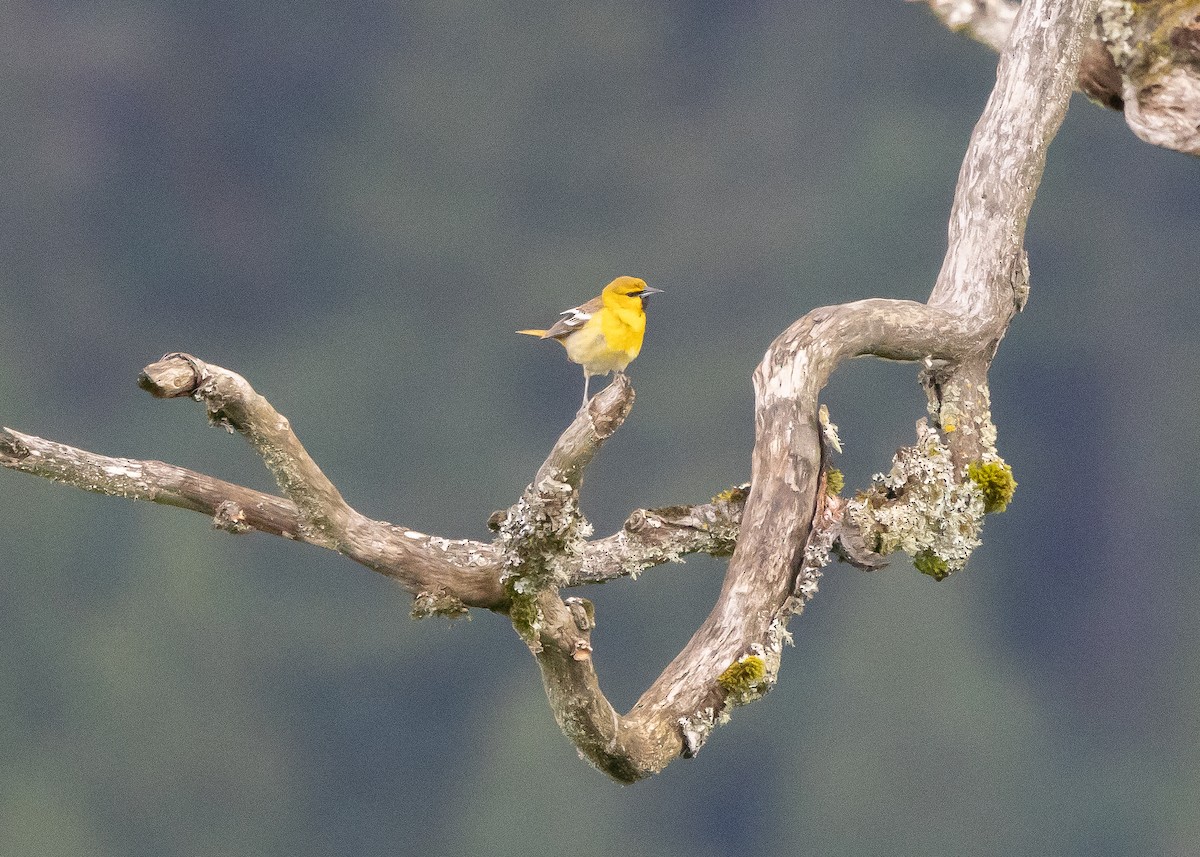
{"type": "Point", "coordinates": [573, 319]}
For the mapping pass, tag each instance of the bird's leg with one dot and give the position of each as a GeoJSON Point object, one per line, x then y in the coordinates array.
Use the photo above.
{"type": "Point", "coordinates": [587, 379]}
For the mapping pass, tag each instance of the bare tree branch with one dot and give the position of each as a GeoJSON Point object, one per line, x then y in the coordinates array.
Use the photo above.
{"type": "Point", "coordinates": [734, 656]}
{"type": "Point", "coordinates": [654, 536]}
{"type": "Point", "coordinates": [325, 517]}
{"type": "Point", "coordinates": [932, 503]}
{"type": "Point", "coordinates": [445, 575]}
{"type": "Point", "coordinates": [238, 509]}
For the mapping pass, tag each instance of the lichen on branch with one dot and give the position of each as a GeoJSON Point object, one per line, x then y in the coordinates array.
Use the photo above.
{"type": "Point", "coordinates": [921, 507]}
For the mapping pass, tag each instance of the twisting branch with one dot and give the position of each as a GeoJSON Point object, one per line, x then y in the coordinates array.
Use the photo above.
{"type": "Point", "coordinates": [734, 656]}
{"type": "Point", "coordinates": [784, 526]}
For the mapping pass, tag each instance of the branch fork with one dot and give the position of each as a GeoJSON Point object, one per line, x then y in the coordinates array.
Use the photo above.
{"type": "Point", "coordinates": [779, 532]}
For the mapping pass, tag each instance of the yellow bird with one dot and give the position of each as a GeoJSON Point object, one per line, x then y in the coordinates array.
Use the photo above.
{"type": "Point", "coordinates": [604, 334]}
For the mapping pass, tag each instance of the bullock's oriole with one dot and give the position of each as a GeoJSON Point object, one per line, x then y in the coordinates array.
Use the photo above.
{"type": "Point", "coordinates": [604, 334]}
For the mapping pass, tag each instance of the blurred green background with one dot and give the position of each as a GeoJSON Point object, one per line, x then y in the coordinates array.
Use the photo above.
{"type": "Point", "coordinates": [354, 205]}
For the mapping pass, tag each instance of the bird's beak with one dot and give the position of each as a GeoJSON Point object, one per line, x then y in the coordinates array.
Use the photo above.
{"type": "Point", "coordinates": [648, 291]}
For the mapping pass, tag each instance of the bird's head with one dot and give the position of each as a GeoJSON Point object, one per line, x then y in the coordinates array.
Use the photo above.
{"type": "Point", "coordinates": [628, 287]}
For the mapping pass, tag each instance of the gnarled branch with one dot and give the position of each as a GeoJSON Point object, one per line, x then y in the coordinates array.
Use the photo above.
{"type": "Point", "coordinates": [445, 575]}
{"type": "Point", "coordinates": [734, 655]}
{"type": "Point", "coordinates": [784, 526]}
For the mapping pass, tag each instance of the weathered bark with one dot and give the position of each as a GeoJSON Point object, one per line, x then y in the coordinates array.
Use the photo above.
{"type": "Point", "coordinates": [444, 575]}
{"type": "Point", "coordinates": [1142, 59]}
{"type": "Point", "coordinates": [784, 526]}
{"type": "Point", "coordinates": [734, 655]}
{"type": "Point", "coordinates": [1156, 48]}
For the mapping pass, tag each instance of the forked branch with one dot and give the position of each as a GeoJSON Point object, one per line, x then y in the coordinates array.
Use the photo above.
{"type": "Point", "coordinates": [783, 527]}
{"type": "Point", "coordinates": [734, 655]}
{"type": "Point", "coordinates": [444, 575]}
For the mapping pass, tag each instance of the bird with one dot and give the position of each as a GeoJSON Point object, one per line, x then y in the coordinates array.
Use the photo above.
{"type": "Point", "coordinates": [604, 334]}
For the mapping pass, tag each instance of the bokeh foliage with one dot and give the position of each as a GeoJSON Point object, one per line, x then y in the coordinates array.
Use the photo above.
{"type": "Point", "coordinates": [354, 204]}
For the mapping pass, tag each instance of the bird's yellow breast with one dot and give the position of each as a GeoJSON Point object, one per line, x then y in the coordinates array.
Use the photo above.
{"type": "Point", "coordinates": [608, 342]}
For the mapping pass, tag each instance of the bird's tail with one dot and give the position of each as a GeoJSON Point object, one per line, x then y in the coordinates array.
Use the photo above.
{"type": "Point", "coordinates": [541, 334]}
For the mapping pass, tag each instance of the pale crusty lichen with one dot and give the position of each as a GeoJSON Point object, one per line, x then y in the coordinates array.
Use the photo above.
{"type": "Point", "coordinates": [695, 731]}
{"type": "Point", "coordinates": [541, 536]}
{"type": "Point", "coordinates": [948, 414]}
{"type": "Point", "coordinates": [958, 408]}
{"type": "Point", "coordinates": [1116, 17]}
{"type": "Point", "coordinates": [426, 604]}
{"type": "Point", "coordinates": [829, 430]}
{"type": "Point", "coordinates": [921, 507]}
